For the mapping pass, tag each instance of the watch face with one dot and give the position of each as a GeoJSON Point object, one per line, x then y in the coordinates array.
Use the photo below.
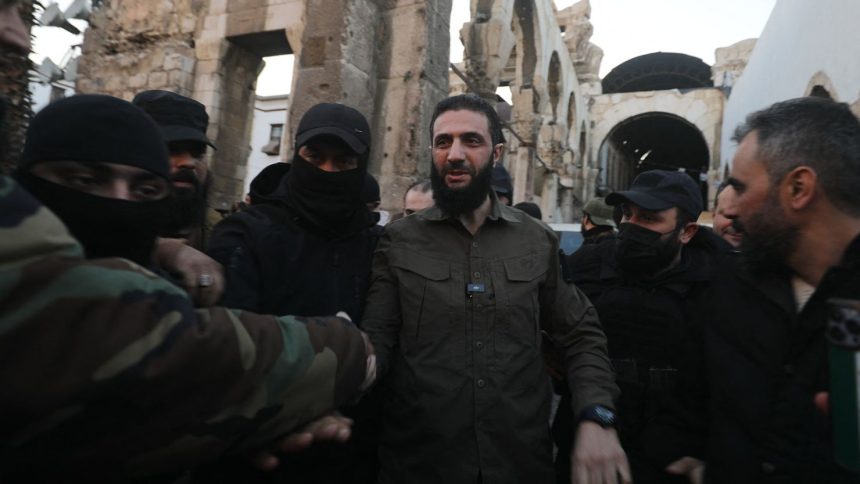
{"type": "Point", "coordinates": [605, 415]}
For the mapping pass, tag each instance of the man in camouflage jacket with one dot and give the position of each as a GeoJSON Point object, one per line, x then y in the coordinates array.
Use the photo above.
{"type": "Point", "coordinates": [107, 372]}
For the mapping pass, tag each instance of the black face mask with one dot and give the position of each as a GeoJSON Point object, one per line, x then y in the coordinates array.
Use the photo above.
{"type": "Point", "coordinates": [331, 201]}
{"type": "Point", "coordinates": [105, 227]}
{"type": "Point", "coordinates": [643, 252]}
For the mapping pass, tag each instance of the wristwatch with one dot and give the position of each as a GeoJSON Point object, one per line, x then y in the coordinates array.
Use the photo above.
{"type": "Point", "coordinates": [598, 414]}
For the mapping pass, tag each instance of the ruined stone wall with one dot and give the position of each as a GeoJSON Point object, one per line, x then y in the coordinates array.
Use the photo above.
{"type": "Point", "coordinates": [519, 42]}
{"type": "Point", "coordinates": [412, 78]}
{"type": "Point", "coordinates": [133, 46]}
{"type": "Point", "coordinates": [383, 57]}
{"type": "Point", "coordinates": [730, 63]}
{"type": "Point", "coordinates": [386, 59]}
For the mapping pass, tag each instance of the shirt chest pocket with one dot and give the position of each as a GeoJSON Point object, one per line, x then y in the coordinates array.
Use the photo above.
{"type": "Point", "coordinates": [426, 292]}
{"type": "Point", "coordinates": [519, 295]}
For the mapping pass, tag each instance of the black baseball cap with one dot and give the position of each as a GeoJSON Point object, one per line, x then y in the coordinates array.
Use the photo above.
{"type": "Point", "coordinates": [661, 189]}
{"type": "Point", "coordinates": [500, 180]}
{"type": "Point", "coordinates": [343, 122]}
{"type": "Point", "coordinates": [180, 118]}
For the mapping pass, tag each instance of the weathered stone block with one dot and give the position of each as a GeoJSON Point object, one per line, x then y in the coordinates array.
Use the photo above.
{"type": "Point", "coordinates": [157, 79]}
{"type": "Point", "coordinates": [138, 80]}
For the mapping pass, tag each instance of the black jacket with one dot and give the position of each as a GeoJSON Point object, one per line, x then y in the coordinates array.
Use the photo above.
{"type": "Point", "coordinates": [764, 363]}
{"type": "Point", "coordinates": [276, 263]}
{"type": "Point", "coordinates": [646, 322]}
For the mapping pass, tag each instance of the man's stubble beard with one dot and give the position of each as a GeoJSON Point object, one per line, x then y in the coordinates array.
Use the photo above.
{"type": "Point", "coordinates": [457, 201]}
{"type": "Point", "coordinates": [768, 239]}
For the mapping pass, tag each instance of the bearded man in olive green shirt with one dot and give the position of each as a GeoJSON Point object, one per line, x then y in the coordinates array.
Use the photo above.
{"type": "Point", "coordinates": [460, 296]}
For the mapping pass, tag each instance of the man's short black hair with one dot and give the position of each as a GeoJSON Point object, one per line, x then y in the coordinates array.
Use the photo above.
{"type": "Point", "coordinates": [475, 103]}
{"type": "Point", "coordinates": [815, 132]}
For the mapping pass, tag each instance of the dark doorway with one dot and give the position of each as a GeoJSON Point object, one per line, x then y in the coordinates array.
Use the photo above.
{"type": "Point", "coordinates": [652, 141]}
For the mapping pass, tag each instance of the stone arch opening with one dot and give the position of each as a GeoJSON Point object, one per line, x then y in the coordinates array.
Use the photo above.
{"type": "Point", "coordinates": [820, 85]}
{"type": "Point", "coordinates": [232, 108]}
{"type": "Point", "coordinates": [554, 85]}
{"type": "Point", "coordinates": [658, 71]}
{"type": "Point", "coordinates": [820, 91]}
{"type": "Point", "coordinates": [571, 117]}
{"type": "Point", "coordinates": [524, 27]}
{"type": "Point", "coordinates": [652, 141]}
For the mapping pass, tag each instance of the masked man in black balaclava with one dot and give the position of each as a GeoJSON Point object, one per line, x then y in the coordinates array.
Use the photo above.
{"type": "Point", "coordinates": [101, 165]}
{"type": "Point", "coordinates": [306, 247]}
{"type": "Point", "coordinates": [642, 285]}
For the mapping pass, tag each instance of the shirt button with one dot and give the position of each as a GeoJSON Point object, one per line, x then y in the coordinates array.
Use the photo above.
{"type": "Point", "coordinates": [479, 344]}
{"type": "Point", "coordinates": [767, 467]}
{"type": "Point", "coordinates": [475, 245]}
{"type": "Point", "coordinates": [481, 383]}
{"type": "Point", "coordinates": [476, 275]}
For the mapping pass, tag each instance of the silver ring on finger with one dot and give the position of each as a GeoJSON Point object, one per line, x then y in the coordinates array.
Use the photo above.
{"type": "Point", "coordinates": [205, 280]}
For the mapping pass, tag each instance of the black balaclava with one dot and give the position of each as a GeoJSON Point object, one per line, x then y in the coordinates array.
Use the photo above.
{"type": "Point", "coordinates": [104, 129]}
{"type": "Point", "coordinates": [331, 201]}
{"type": "Point", "coordinates": [642, 252]}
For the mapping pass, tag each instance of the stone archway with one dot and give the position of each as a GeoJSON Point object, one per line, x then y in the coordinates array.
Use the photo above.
{"type": "Point", "coordinates": [649, 141]}
{"type": "Point", "coordinates": [702, 108]}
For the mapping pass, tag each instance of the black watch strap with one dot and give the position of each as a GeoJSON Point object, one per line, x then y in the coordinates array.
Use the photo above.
{"type": "Point", "coordinates": [605, 417]}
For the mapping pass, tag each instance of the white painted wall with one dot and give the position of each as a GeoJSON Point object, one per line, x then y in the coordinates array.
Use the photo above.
{"type": "Point", "coordinates": [801, 38]}
{"type": "Point", "coordinates": [268, 110]}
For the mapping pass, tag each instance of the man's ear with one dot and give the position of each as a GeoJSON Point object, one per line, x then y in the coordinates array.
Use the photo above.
{"type": "Point", "coordinates": [688, 232]}
{"type": "Point", "coordinates": [799, 187]}
{"type": "Point", "coordinates": [497, 152]}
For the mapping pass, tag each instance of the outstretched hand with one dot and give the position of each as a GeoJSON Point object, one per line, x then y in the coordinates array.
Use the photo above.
{"type": "Point", "coordinates": [598, 457]}
{"type": "Point", "coordinates": [333, 427]}
{"type": "Point", "coordinates": [691, 467]}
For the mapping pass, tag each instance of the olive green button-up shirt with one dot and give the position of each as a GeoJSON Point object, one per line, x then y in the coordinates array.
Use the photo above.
{"type": "Point", "coordinates": [456, 321]}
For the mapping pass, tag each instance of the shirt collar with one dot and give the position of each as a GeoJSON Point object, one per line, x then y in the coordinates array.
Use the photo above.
{"type": "Point", "coordinates": [497, 211]}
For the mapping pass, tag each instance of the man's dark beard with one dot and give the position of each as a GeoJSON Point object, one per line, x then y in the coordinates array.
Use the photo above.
{"type": "Point", "coordinates": [457, 201]}
{"type": "Point", "coordinates": [188, 204]}
{"type": "Point", "coordinates": [768, 240]}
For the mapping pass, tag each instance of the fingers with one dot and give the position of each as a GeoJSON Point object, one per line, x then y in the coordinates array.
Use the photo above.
{"type": "Point", "coordinates": [295, 442]}
{"type": "Point", "coordinates": [209, 295]}
{"type": "Point", "coordinates": [264, 461]}
{"type": "Point", "coordinates": [822, 402]}
{"type": "Point", "coordinates": [624, 472]}
{"type": "Point", "coordinates": [334, 427]}
{"type": "Point", "coordinates": [331, 428]}
{"type": "Point", "coordinates": [579, 474]}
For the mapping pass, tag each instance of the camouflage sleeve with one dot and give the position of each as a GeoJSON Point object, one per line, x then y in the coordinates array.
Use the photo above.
{"type": "Point", "coordinates": [106, 367]}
